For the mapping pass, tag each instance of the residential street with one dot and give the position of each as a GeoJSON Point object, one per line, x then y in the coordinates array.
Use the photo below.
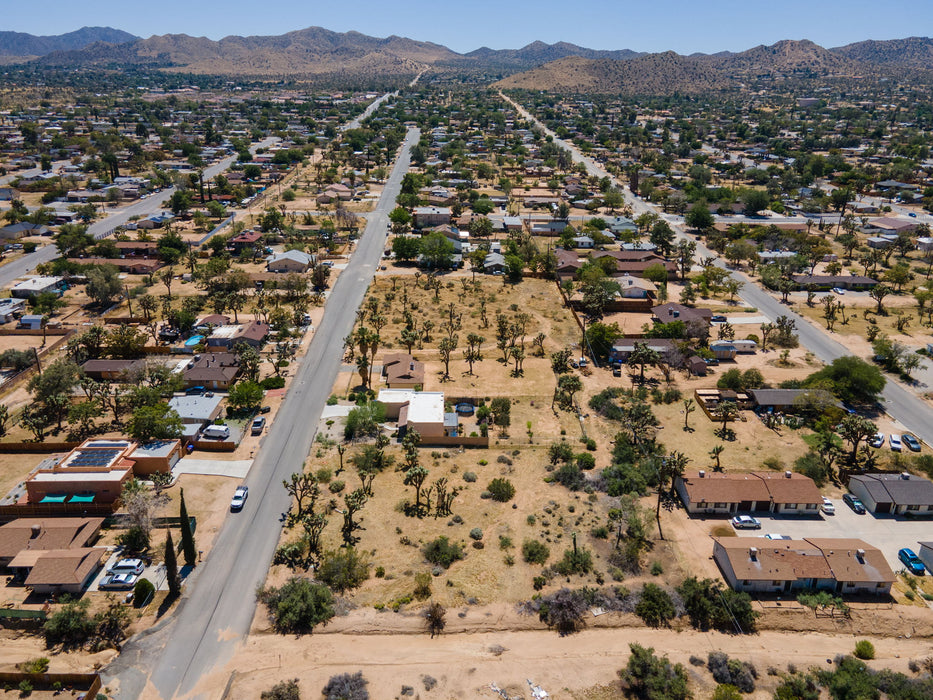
{"type": "Point", "coordinates": [900, 403]}
{"type": "Point", "coordinates": [217, 608]}
{"type": "Point", "coordinates": [100, 229]}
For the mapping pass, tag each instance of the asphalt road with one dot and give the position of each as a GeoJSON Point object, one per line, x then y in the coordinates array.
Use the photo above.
{"type": "Point", "coordinates": [217, 608]}
{"type": "Point", "coordinates": [142, 208]}
{"type": "Point", "coordinates": [900, 403]}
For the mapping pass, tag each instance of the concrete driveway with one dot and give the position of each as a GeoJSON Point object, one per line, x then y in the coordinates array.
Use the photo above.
{"type": "Point", "coordinates": [887, 533]}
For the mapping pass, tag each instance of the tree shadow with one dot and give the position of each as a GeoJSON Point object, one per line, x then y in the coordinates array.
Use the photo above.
{"type": "Point", "coordinates": [166, 605]}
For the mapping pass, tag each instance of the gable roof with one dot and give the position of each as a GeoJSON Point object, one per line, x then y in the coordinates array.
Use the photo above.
{"type": "Point", "coordinates": [678, 312]}
{"type": "Point", "coordinates": [47, 533]}
{"type": "Point", "coordinates": [900, 489]}
{"type": "Point", "coordinates": [62, 567]}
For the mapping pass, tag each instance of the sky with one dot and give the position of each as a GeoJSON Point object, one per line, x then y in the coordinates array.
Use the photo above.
{"type": "Point", "coordinates": [684, 26]}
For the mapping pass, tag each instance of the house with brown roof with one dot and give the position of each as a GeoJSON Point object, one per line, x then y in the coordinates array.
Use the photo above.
{"type": "Point", "coordinates": [144, 248]}
{"type": "Point", "coordinates": [212, 370]}
{"type": "Point", "coordinates": [402, 371]}
{"type": "Point", "coordinates": [59, 570]}
{"type": "Point", "coordinates": [786, 493]}
{"type": "Point", "coordinates": [133, 266]}
{"type": "Point", "coordinates": [45, 534]}
{"type": "Point", "coordinates": [843, 566]}
{"type": "Point", "coordinates": [824, 282]}
{"type": "Point", "coordinates": [112, 370]}
{"type": "Point", "coordinates": [665, 313]}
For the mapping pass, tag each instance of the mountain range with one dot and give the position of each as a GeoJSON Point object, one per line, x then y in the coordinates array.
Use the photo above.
{"type": "Point", "coordinates": [561, 66]}
{"type": "Point", "coordinates": [20, 44]}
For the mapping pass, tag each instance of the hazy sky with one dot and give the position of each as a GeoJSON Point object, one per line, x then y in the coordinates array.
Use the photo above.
{"type": "Point", "coordinates": [685, 26]}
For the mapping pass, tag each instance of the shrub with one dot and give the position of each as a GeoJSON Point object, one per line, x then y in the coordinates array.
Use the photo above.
{"type": "Point", "coordinates": [740, 674]}
{"type": "Point", "coordinates": [442, 552]}
{"type": "Point", "coordinates": [380, 572]}
{"type": "Point", "coordinates": [725, 691]}
{"type": "Point", "coordinates": [272, 382]}
{"type": "Point", "coordinates": [343, 569]}
{"type": "Point", "coordinates": [346, 686]}
{"type": "Point", "coordinates": [586, 461]}
{"type": "Point", "coordinates": [71, 626]}
{"type": "Point", "coordinates": [570, 476]}
{"type": "Point", "coordinates": [505, 542]}
{"type": "Point", "coordinates": [600, 533]}
{"type": "Point", "coordinates": [648, 676]}
{"type": "Point", "coordinates": [298, 606]}
{"type": "Point", "coordinates": [476, 533]}
{"type": "Point", "coordinates": [864, 650]}
{"type": "Point", "coordinates": [575, 561]}
{"type": "Point", "coordinates": [434, 618]}
{"type": "Point", "coordinates": [501, 490]}
{"type": "Point", "coordinates": [286, 690]}
{"type": "Point", "coordinates": [143, 592]}
{"type": "Point", "coordinates": [564, 610]}
{"type": "Point", "coordinates": [37, 665]}
{"type": "Point", "coordinates": [655, 607]}
{"type": "Point", "coordinates": [25, 688]}
{"type": "Point", "coordinates": [469, 477]}
{"type": "Point", "coordinates": [134, 540]}
{"type": "Point", "coordinates": [323, 475]}
{"type": "Point", "coordinates": [336, 486]}
{"type": "Point", "coordinates": [422, 585]}
{"type": "Point", "coordinates": [657, 568]}
{"type": "Point", "coordinates": [535, 552]}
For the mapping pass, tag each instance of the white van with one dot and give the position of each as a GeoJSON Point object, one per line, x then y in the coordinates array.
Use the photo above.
{"type": "Point", "coordinates": [221, 432]}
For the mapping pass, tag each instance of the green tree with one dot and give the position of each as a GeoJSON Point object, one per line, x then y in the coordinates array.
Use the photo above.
{"type": "Point", "coordinates": [401, 220]}
{"type": "Point", "coordinates": [156, 422]}
{"type": "Point", "coordinates": [699, 217]}
{"type": "Point", "coordinates": [437, 251]}
{"type": "Point", "coordinates": [103, 284]}
{"type": "Point", "coordinates": [245, 396]}
{"type": "Point", "coordinates": [52, 389]}
{"type": "Point", "coordinates": [649, 677]}
{"type": "Point", "coordinates": [854, 429]}
{"type": "Point", "coordinates": [851, 378]}
{"type": "Point", "coordinates": [655, 607]}
{"type": "Point", "coordinates": [187, 534]}
{"type": "Point", "coordinates": [298, 606]}
{"type": "Point", "coordinates": [406, 248]}
{"type": "Point", "coordinates": [171, 567]}
{"type": "Point", "coordinates": [754, 201]}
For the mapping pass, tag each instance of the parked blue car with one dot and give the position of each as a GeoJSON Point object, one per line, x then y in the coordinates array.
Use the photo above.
{"type": "Point", "coordinates": [911, 561]}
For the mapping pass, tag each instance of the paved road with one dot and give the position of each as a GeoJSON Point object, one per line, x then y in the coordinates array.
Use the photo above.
{"type": "Point", "coordinates": [7, 179]}
{"type": "Point", "coordinates": [900, 403]}
{"type": "Point", "coordinates": [215, 614]}
{"type": "Point", "coordinates": [142, 208]}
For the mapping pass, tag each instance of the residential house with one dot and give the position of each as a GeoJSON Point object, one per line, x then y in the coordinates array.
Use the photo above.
{"type": "Point", "coordinates": [131, 265]}
{"type": "Point", "coordinates": [635, 287]}
{"type": "Point", "coordinates": [289, 261]}
{"type": "Point", "coordinates": [112, 370]}
{"type": "Point", "coordinates": [494, 263]}
{"type": "Point", "coordinates": [402, 371]}
{"type": "Point", "coordinates": [926, 554]}
{"type": "Point", "coordinates": [785, 400]}
{"type": "Point", "coordinates": [887, 224]}
{"type": "Point", "coordinates": [43, 534]}
{"type": "Point", "coordinates": [420, 410]}
{"type": "Point", "coordinates": [11, 308]}
{"type": "Point", "coordinates": [426, 217]}
{"type": "Point", "coordinates": [786, 493]}
{"type": "Point", "coordinates": [245, 239]}
{"type": "Point", "coordinates": [212, 370]}
{"type": "Point", "coordinates": [897, 494]}
{"type": "Point", "coordinates": [583, 242]}
{"type": "Point", "coordinates": [37, 284]}
{"type": "Point", "coordinates": [32, 322]}
{"type": "Point", "coordinates": [252, 333]}
{"type": "Point", "coordinates": [142, 248]}
{"type": "Point", "coordinates": [59, 570]}
{"type": "Point", "coordinates": [826, 282]}
{"type": "Point", "coordinates": [23, 228]}
{"type": "Point", "coordinates": [665, 313]}
{"type": "Point", "coordinates": [198, 410]}
{"type": "Point", "coordinates": [622, 348]}
{"type": "Point", "coordinates": [841, 566]}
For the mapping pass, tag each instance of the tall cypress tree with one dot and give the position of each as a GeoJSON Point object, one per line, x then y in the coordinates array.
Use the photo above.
{"type": "Point", "coordinates": [187, 536]}
{"type": "Point", "coordinates": [171, 567]}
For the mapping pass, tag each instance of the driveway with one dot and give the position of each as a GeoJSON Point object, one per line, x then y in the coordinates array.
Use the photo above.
{"type": "Point", "coordinates": [887, 533]}
{"type": "Point", "coordinates": [236, 468]}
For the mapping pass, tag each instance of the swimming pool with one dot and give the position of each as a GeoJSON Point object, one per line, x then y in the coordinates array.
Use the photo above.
{"type": "Point", "coordinates": [194, 340]}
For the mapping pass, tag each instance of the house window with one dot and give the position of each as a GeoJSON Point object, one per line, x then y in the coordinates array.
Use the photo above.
{"type": "Point", "coordinates": [777, 583]}
{"type": "Point", "coordinates": [790, 506]}
{"type": "Point", "coordinates": [879, 585]}
{"type": "Point", "coordinates": [745, 583]}
{"type": "Point", "coordinates": [721, 505]}
{"type": "Point", "coordinates": [811, 506]}
{"type": "Point", "coordinates": [849, 584]}
{"type": "Point", "coordinates": [913, 507]}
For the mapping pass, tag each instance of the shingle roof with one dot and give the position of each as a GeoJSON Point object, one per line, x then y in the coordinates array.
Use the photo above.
{"type": "Point", "coordinates": [60, 567]}
{"type": "Point", "coordinates": [900, 489]}
{"type": "Point", "coordinates": [50, 533]}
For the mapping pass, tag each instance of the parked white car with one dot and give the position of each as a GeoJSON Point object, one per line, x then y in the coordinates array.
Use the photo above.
{"type": "Point", "coordinates": [895, 442]}
{"type": "Point", "coordinates": [828, 506]}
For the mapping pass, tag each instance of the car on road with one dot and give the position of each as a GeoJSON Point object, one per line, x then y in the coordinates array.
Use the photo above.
{"type": "Point", "coordinates": [910, 560]}
{"type": "Point", "coordinates": [877, 440]}
{"type": "Point", "coordinates": [239, 498]}
{"type": "Point", "coordinates": [854, 503]}
{"type": "Point", "coordinates": [259, 422]}
{"type": "Point", "coordinates": [828, 506]}
{"type": "Point", "coordinates": [912, 214]}
{"type": "Point", "coordinates": [913, 444]}
{"type": "Point", "coordinates": [128, 566]}
{"type": "Point", "coordinates": [746, 522]}
{"type": "Point", "coordinates": [895, 442]}
{"type": "Point", "coordinates": [838, 290]}
{"type": "Point", "coordinates": [117, 582]}
{"type": "Point", "coordinates": [718, 319]}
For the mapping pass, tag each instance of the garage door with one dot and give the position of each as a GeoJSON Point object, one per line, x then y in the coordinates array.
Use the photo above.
{"type": "Point", "coordinates": [882, 507]}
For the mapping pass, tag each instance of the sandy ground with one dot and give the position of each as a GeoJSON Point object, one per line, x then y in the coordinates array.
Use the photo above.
{"type": "Point", "coordinates": [463, 661]}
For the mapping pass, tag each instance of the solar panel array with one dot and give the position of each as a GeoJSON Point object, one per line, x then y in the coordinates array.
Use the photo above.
{"type": "Point", "coordinates": [94, 458]}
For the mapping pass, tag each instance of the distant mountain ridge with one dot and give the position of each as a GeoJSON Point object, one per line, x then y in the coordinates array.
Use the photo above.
{"type": "Point", "coordinates": [565, 66]}
{"type": "Point", "coordinates": [20, 44]}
